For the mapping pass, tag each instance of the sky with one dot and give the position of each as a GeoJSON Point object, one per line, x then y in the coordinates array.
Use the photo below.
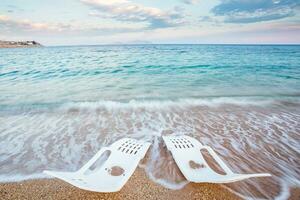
{"type": "Point", "coordinates": [91, 22]}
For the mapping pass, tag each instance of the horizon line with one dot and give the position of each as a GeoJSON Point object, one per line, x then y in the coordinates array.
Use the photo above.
{"type": "Point", "coordinates": [224, 44]}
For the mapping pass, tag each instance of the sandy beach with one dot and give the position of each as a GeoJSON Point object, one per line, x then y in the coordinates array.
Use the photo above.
{"type": "Point", "coordinates": [138, 187]}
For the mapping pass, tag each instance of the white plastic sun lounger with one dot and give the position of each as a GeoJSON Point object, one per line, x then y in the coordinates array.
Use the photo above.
{"type": "Point", "coordinates": [111, 176]}
{"type": "Point", "coordinates": [186, 153]}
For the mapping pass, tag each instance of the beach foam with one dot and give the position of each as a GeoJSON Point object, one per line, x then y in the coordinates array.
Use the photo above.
{"type": "Point", "coordinates": [250, 137]}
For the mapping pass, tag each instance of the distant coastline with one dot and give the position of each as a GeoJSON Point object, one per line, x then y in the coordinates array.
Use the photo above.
{"type": "Point", "coordinates": [19, 44]}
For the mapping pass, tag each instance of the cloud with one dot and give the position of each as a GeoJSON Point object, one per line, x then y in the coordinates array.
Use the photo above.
{"type": "Point", "coordinates": [190, 2]}
{"type": "Point", "coordinates": [7, 24]}
{"type": "Point", "coordinates": [250, 11]}
{"type": "Point", "coordinates": [21, 27]}
{"type": "Point", "coordinates": [123, 10]}
{"type": "Point", "coordinates": [259, 15]}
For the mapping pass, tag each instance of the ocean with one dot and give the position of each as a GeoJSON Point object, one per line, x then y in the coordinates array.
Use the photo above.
{"type": "Point", "coordinates": [60, 105]}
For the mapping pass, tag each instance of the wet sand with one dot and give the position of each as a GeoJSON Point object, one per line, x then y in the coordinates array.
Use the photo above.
{"type": "Point", "coordinates": [138, 187]}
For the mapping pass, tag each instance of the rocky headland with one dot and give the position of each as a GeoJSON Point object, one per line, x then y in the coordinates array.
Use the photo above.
{"type": "Point", "coordinates": [19, 44]}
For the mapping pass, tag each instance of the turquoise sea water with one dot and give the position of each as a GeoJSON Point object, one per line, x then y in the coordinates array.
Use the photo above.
{"type": "Point", "coordinates": [147, 72]}
{"type": "Point", "coordinates": [59, 105]}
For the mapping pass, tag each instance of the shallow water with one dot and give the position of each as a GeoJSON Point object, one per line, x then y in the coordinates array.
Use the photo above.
{"type": "Point", "coordinates": [59, 105]}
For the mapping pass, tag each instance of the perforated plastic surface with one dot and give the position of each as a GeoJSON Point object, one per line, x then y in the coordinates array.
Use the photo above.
{"type": "Point", "coordinates": [113, 174]}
